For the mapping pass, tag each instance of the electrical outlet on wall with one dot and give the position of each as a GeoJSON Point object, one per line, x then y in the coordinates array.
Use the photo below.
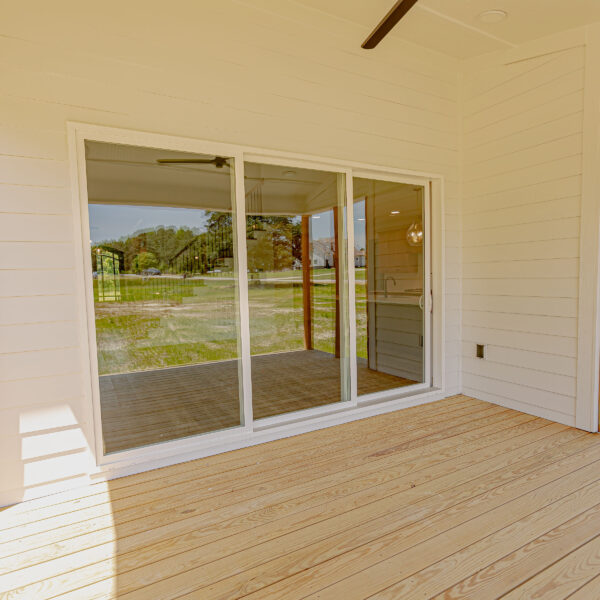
{"type": "Point", "coordinates": [480, 351]}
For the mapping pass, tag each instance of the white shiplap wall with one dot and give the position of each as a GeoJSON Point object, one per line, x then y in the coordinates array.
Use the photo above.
{"type": "Point", "coordinates": [522, 183]}
{"type": "Point", "coordinates": [264, 73]}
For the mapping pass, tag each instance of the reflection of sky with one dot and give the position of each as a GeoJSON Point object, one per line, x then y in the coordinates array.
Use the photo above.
{"type": "Point", "coordinates": [112, 222]}
{"type": "Point", "coordinates": [360, 239]}
{"type": "Point", "coordinates": [322, 224]}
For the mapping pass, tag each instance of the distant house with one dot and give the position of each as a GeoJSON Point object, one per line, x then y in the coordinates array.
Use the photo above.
{"type": "Point", "coordinates": [322, 253]}
{"type": "Point", "coordinates": [360, 258]}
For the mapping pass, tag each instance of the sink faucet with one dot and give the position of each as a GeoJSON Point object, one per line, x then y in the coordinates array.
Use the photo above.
{"type": "Point", "coordinates": [385, 286]}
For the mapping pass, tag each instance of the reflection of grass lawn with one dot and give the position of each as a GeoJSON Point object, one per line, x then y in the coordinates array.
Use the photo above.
{"type": "Point", "coordinates": [166, 322]}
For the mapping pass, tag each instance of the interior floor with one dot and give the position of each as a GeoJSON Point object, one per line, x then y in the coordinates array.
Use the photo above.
{"type": "Point", "coordinates": [453, 499]}
{"type": "Point", "coordinates": [153, 406]}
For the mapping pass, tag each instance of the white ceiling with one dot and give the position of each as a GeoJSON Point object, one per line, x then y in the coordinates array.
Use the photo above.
{"type": "Point", "coordinates": [452, 26]}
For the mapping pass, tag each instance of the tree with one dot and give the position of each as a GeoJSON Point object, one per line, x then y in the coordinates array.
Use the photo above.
{"type": "Point", "coordinates": [143, 261]}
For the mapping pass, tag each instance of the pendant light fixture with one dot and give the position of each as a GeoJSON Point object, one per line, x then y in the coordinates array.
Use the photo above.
{"type": "Point", "coordinates": [414, 234]}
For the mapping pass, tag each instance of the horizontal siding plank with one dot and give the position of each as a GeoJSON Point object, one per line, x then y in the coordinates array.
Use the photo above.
{"type": "Point", "coordinates": [555, 188]}
{"type": "Point", "coordinates": [566, 83]}
{"type": "Point", "coordinates": [39, 445]}
{"type": "Point", "coordinates": [36, 255]}
{"type": "Point", "coordinates": [517, 160]}
{"type": "Point", "coordinates": [42, 363]}
{"type": "Point", "coordinates": [31, 199]}
{"type": "Point", "coordinates": [555, 129]}
{"type": "Point", "coordinates": [37, 309]}
{"type": "Point", "coordinates": [533, 342]}
{"type": "Point", "coordinates": [565, 165]}
{"type": "Point", "coordinates": [517, 251]}
{"type": "Point", "coordinates": [36, 228]}
{"type": "Point", "coordinates": [554, 325]}
{"type": "Point", "coordinates": [562, 63]}
{"type": "Point", "coordinates": [557, 287]}
{"type": "Point", "coordinates": [23, 393]}
{"type": "Point", "coordinates": [37, 283]}
{"type": "Point", "coordinates": [541, 380]}
{"type": "Point", "coordinates": [548, 111]}
{"type": "Point", "coordinates": [523, 305]}
{"type": "Point", "coordinates": [34, 171]}
{"type": "Point", "coordinates": [568, 267]}
{"type": "Point", "coordinates": [567, 418]}
{"type": "Point", "coordinates": [530, 395]}
{"type": "Point", "coordinates": [41, 415]}
{"type": "Point", "coordinates": [523, 232]}
{"type": "Point", "coordinates": [44, 470]}
{"type": "Point", "coordinates": [536, 361]}
{"type": "Point", "coordinates": [38, 336]}
{"type": "Point", "coordinates": [483, 78]}
{"type": "Point", "coordinates": [32, 143]}
{"type": "Point", "coordinates": [561, 208]}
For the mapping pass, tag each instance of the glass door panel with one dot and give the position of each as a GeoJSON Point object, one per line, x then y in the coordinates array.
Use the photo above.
{"type": "Point", "coordinates": [297, 287]}
{"type": "Point", "coordinates": [390, 275]}
{"type": "Point", "coordinates": [165, 293]}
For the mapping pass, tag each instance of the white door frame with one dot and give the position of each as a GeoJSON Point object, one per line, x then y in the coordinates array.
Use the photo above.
{"type": "Point", "coordinates": [252, 432]}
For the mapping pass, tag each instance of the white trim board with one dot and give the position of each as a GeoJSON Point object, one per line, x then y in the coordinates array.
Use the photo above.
{"type": "Point", "coordinates": [586, 408]}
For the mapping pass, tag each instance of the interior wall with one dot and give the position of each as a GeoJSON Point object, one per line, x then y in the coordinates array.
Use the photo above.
{"type": "Point", "coordinates": [522, 162]}
{"type": "Point", "coordinates": [396, 327]}
{"type": "Point", "coordinates": [266, 73]}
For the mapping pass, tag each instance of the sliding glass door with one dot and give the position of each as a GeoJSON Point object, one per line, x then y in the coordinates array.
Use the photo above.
{"type": "Point", "coordinates": [297, 288]}
{"type": "Point", "coordinates": [186, 344]}
{"type": "Point", "coordinates": [162, 244]}
{"type": "Point", "coordinates": [391, 285]}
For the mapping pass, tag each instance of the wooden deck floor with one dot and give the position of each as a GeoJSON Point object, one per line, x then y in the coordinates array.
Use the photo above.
{"type": "Point", "coordinates": [456, 499]}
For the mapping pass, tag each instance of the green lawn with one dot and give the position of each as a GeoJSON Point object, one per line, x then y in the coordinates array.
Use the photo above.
{"type": "Point", "coordinates": [163, 321]}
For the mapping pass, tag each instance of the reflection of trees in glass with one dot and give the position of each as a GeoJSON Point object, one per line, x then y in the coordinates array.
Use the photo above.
{"type": "Point", "coordinates": [162, 242]}
{"type": "Point", "coordinates": [180, 249]}
{"type": "Point", "coordinates": [144, 260]}
{"type": "Point", "coordinates": [274, 242]}
{"type": "Point", "coordinates": [276, 245]}
{"type": "Point", "coordinates": [211, 250]}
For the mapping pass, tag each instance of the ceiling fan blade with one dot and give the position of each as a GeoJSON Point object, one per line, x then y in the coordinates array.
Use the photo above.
{"type": "Point", "coordinates": [185, 161]}
{"type": "Point", "coordinates": [388, 23]}
{"type": "Point", "coordinates": [218, 161]}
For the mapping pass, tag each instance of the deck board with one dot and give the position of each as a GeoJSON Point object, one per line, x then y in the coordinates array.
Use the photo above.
{"type": "Point", "coordinates": [455, 499]}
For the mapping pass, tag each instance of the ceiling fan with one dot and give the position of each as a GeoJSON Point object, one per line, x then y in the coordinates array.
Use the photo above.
{"type": "Point", "coordinates": [218, 161]}
{"type": "Point", "coordinates": [388, 23]}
